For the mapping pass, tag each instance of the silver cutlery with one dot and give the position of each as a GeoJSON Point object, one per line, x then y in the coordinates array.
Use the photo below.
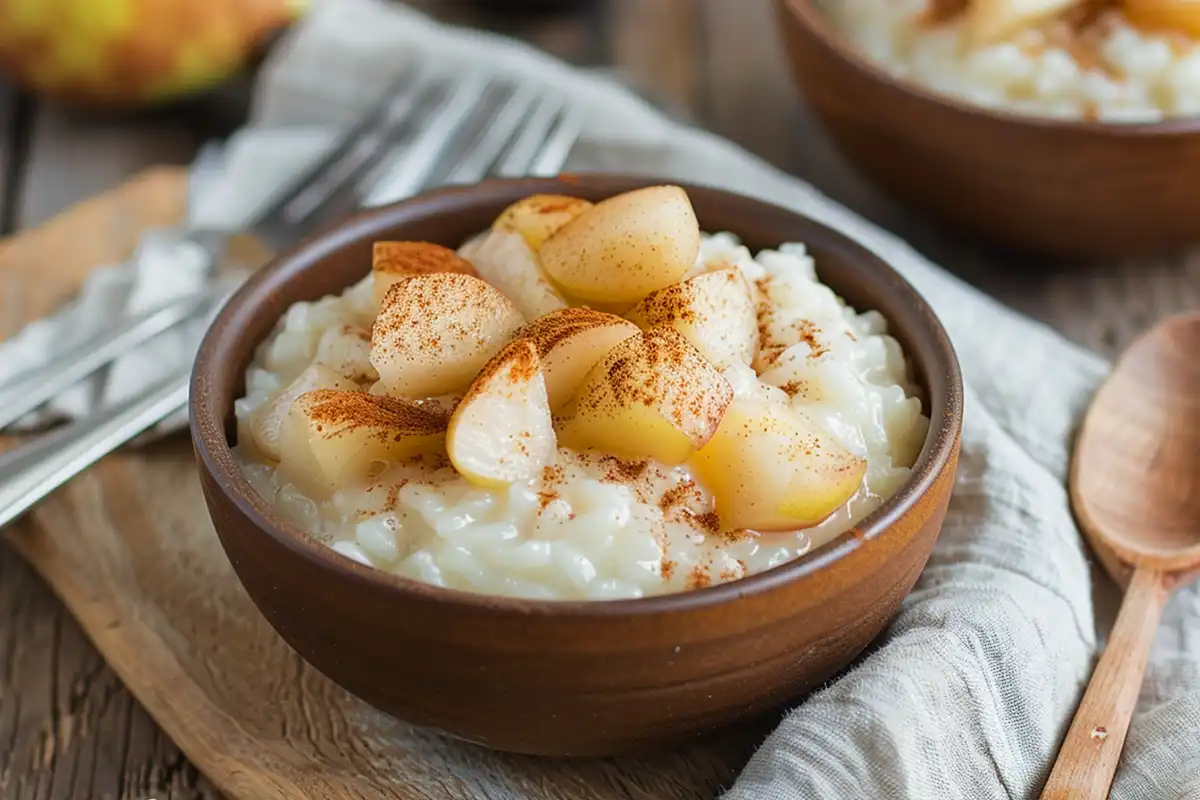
{"type": "Point", "coordinates": [429, 130]}
{"type": "Point", "coordinates": [33, 387]}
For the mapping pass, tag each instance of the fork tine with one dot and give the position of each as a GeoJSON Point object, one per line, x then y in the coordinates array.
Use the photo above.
{"type": "Point", "coordinates": [557, 148]}
{"type": "Point", "coordinates": [337, 188]}
{"type": "Point", "coordinates": [345, 142]}
{"type": "Point", "coordinates": [411, 170]}
{"type": "Point", "coordinates": [524, 151]}
{"type": "Point", "coordinates": [496, 134]}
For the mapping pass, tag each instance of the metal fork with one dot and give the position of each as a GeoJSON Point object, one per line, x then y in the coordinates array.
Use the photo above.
{"type": "Point", "coordinates": [476, 126]}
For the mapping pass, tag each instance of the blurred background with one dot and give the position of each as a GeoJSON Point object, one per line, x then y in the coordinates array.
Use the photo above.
{"type": "Point", "coordinates": [89, 102]}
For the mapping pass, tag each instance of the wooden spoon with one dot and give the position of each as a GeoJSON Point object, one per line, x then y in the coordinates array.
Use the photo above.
{"type": "Point", "coordinates": [1135, 488]}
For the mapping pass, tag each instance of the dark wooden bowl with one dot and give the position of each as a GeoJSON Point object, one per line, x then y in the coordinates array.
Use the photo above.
{"type": "Point", "coordinates": [572, 678]}
{"type": "Point", "coordinates": [1060, 188]}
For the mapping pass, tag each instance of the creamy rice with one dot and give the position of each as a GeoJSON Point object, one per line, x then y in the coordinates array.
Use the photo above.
{"type": "Point", "coordinates": [593, 526]}
{"type": "Point", "coordinates": [1106, 69]}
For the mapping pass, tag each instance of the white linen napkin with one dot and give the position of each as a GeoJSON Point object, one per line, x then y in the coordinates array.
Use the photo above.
{"type": "Point", "coordinates": [970, 689]}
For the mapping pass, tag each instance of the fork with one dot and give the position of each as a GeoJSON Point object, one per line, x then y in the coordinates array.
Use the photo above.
{"type": "Point", "coordinates": [479, 125]}
{"type": "Point", "coordinates": [528, 134]}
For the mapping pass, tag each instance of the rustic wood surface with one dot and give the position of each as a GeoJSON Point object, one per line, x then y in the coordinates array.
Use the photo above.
{"type": "Point", "coordinates": [68, 728]}
{"type": "Point", "coordinates": [1139, 441]}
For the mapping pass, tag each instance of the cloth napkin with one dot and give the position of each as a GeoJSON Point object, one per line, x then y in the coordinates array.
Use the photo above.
{"type": "Point", "coordinates": [969, 691]}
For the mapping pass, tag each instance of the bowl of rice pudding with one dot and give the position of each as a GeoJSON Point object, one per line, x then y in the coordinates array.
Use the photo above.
{"type": "Point", "coordinates": [1066, 128]}
{"type": "Point", "coordinates": [577, 466]}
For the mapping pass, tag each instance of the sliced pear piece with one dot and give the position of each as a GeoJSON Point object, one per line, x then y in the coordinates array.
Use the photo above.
{"type": "Point", "coordinates": [713, 310]}
{"type": "Point", "coordinates": [625, 247]}
{"type": "Point", "coordinates": [652, 396]}
{"type": "Point", "coordinates": [569, 343]}
{"type": "Point", "coordinates": [770, 468]}
{"type": "Point", "coordinates": [331, 438]}
{"type": "Point", "coordinates": [391, 262]}
{"type": "Point", "coordinates": [502, 430]}
{"type": "Point", "coordinates": [504, 259]}
{"type": "Point", "coordinates": [1177, 15]}
{"type": "Point", "coordinates": [539, 216]}
{"type": "Point", "coordinates": [347, 350]}
{"type": "Point", "coordinates": [267, 419]}
{"type": "Point", "coordinates": [990, 21]}
{"type": "Point", "coordinates": [434, 332]}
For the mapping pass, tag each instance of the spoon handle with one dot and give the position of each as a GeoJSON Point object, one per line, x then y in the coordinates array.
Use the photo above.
{"type": "Point", "coordinates": [1088, 758]}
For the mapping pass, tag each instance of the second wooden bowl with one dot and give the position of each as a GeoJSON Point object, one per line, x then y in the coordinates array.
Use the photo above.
{"type": "Point", "coordinates": [572, 678]}
{"type": "Point", "coordinates": [1060, 188]}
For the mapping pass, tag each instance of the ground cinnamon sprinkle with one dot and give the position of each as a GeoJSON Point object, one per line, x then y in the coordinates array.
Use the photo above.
{"type": "Point", "coordinates": [668, 568]}
{"type": "Point", "coordinates": [708, 522]}
{"type": "Point", "coordinates": [808, 334]}
{"type": "Point", "coordinates": [393, 495]}
{"type": "Point", "coordinates": [555, 208]}
{"type": "Point", "coordinates": [550, 330]}
{"type": "Point", "coordinates": [678, 495]}
{"type": "Point", "coordinates": [762, 312]}
{"type": "Point", "coordinates": [437, 462]}
{"type": "Point", "coordinates": [460, 307]}
{"type": "Point", "coordinates": [545, 499]}
{"type": "Point", "coordinates": [738, 535]}
{"type": "Point", "coordinates": [938, 12]}
{"type": "Point", "coordinates": [417, 258]}
{"type": "Point", "coordinates": [341, 412]}
{"type": "Point", "coordinates": [669, 303]}
{"type": "Point", "coordinates": [698, 578]}
{"type": "Point", "coordinates": [621, 471]}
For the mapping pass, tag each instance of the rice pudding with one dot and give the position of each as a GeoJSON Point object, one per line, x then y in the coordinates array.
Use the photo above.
{"type": "Point", "coordinates": [1131, 61]}
{"type": "Point", "coordinates": [583, 402]}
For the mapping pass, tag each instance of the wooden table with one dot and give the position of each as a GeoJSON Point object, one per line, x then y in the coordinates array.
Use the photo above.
{"type": "Point", "coordinates": [68, 729]}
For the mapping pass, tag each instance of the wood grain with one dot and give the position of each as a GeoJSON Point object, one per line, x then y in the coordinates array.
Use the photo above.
{"type": "Point", "coordinates": [71, 157]}
{"type": "Point", "coordinates": [1136, 455]}
{"type": "Point", "coordinates": [68, 726]}
{"type": "Point", "coordinates": [8, 133]}
{"type": "Point", "coordinates": [1088, 758]}
{"type": "Point", "coordinates": [11, 135]}
{"type": "Point", "coordinates": [114, 747]}
{"type": "Point", "coordinates": [657, 46]}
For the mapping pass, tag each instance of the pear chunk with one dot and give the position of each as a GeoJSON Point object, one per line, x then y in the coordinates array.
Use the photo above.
{"type": "Point", "coordinates": [502, 430]}
{"type": "Point", "coordinates": [267, 419]}
{"type": "Point", "coordinates": [625, 247]}
{"type": "Point", "coordinates": [990, 21]}
{"type": "Point", "coordinates": [652, 396]}
{"type": "Point", "coordinates": [1177, 15]}
{"type": "Point", "coordinates": [539, 216]}
{"type": "Point", "coordinates": [504, 259]}
{"type": "Point", "coordinates": [347, 350]}
{"type": "Point", "coordinates": [713, 310]}
{"type": "Point", "coordinates": [569, 343]}
{"type": "Point", "coordinates": [393, 261]}
{"type": "Point", "coordinates": [434, 332]}
{"type": "Point", "coordinates": [331, 438]}
{"type": "Point", "coordinates": [770, 469]}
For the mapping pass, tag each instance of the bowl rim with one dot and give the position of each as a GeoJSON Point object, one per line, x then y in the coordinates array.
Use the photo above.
{"type": "Point", "coordinates": [806, 13]}
{"type": "Point", "coordinates": [208, 432]}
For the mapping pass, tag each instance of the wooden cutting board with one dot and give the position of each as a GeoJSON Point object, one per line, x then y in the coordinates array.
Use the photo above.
{"type": "Point", "coordinates": [129, 549]}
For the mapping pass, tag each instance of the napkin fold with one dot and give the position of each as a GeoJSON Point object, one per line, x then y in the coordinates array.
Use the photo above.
{"type": "Point", "coordinates": [969, 691]}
